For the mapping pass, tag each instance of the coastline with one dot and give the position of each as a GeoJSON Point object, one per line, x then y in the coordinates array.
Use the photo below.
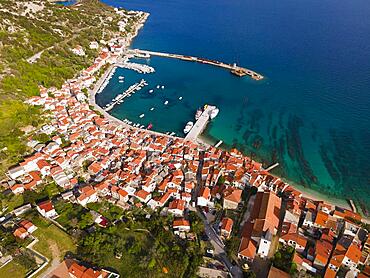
{"type": "Point", "coordinates": [306, 192]}
{"type": "Point", "coordinates": [203, 140]}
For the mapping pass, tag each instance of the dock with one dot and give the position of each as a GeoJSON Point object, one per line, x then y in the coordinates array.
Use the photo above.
{"type": "Point", "coordinates": [218, 144]}
{"type": "Point", "coordinates": [234, 69]}
{"type": "Point", "coordinates": [199, 125]}
{"type": "Point", "coordinates": [272, 167]}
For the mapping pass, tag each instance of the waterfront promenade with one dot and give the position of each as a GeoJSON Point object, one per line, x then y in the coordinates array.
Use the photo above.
{"type": "Point", "coordinates": [240, 71]}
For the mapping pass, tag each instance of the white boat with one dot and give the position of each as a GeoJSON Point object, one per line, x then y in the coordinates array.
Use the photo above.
{"type": "Point", "coordinates": [172, 133]}
{"type": "Point", "coordinates": [151, 109]}
{"type": "Point", "coordinates": [166, 102]}
{"type": "Point", "coordinates": [162, 87]}
{"type": "Point", "coordinates": [151, 91]}
{"type": "Point", "coordinates": [121, 81]}
{"type": "Point", "coordinates": [142, 126]}
{"type": "Point", "coordinates": [180, 98]}
{"type": "Point", "coordinates": [198, 114]}
{"type": "Point", "coordinates": [121, 77]}
{"type": "Point", "coordinates": [158, 86]}
{"type": "Point", "coordinates": [142, 116]}
{"type": "Point", "coordinates": [214, 113]}
{"type": "Point", "coordinates": [188, 127]}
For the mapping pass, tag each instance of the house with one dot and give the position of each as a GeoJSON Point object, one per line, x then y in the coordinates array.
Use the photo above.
{"type": "Point", "coordinates": [232, 197]}
{"type": "Point", "coordinates": [88, 195]}
{"type": "Point", "coordinates": [277, 273]}
{"type": "Point", "coordinates": [296, 240]}
{"type": "Point", "coordinates": [16, 172]}
{"type": "Point", "coordinates": [204, 197]}
{"type": "Point", "coordinates": [28, 225]}
{"type": "Point", "coordinates": [352, 257]}
{"type": "Point", "coordinates": [177, 207]}
{"type": "Point", "coordinates": [123, 195]}
{"type": "Point", "coordinates": [46, 209]}
{"type": "Point", "coordinates": [21, 233]}
{"type": "Point", "coordinates": [143, 196]}
{"type": "Point", "coordinates": [226, 227]}
{"type": "Point", "coordinates": [181, 225]}
{"type": "Point", "coordinates": [17, 188]}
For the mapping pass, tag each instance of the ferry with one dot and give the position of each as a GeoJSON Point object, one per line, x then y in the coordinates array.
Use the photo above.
{"type": "Point", "coordinates": [188, 127]}
{"type": "Point", "coordinates": [198, 114]}
{"type": "Point", "coordinates": [166, 102]}
{"type": "Point", "coordinates": [142, 116]}
{"type": "Point", "coordinates": [214, 113]}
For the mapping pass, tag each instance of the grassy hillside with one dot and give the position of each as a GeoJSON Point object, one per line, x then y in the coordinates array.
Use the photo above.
{"type": "Point", "coordinates": [31, 27]}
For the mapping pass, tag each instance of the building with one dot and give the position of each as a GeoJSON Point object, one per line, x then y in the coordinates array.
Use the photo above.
{"type": "Point", "coordinates": [261, 227]}
{"type": "Point", "coordinates": [46, 209]}
{"type": "Point", "coordinates": [226, 227]}
{"type": "Point", "coordinates": [204, 197]}
{"type": "Point", "coordinates": [232, 197]}
{"type": "Point", "coordinates": [21, 233]}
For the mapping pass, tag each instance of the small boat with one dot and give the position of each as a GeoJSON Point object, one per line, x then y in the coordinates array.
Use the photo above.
{"type": "Point", "coordinates": [142, 126]}
{"type": "Point", "coordinates": [162, 87]}
{"type": "Point", "coordinates": [121, 81]}
{"type": "Point", "coordinates": [158, 86]}
{"type": "Point", "coordinates": [142, 116]}
{"type": "Point", "coordinates": [150, 126]}
{"type": "Point", "coordinates": [172, 133]}
{"type": "Point", "coordinates": [121, 77]}
{"type": "Point", "coordinates": [151, 91]}
{"type": "Point", "coordinates": [188, 127]}
{"type": "Point", "coordinates": [151, 109]}
{"type": "Point", "coordinates": [214, 113]}
{"type": "Point", "coordinates": [167, 133]}
{"type": "Point", "coordinates": [198, 114]}
{"type": "Point", "coordinates": [166, 102]}
{"type": "Point", "coordinates": [180, 98]}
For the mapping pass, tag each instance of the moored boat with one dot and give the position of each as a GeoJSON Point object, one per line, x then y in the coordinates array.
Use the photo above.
{"type": "Point", "coordinates": [188, 127]}
{"type": "Point", "coordinates": [214, 113]}
{"type": "Point", "coordinates": [198, 114]}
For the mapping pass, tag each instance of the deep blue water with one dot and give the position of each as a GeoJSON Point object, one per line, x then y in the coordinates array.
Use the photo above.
{"type": "Point", "coordinates": [311, 112]}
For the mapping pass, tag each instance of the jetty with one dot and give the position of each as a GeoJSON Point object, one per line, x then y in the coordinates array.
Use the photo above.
{"type": "Point", "coordinates": [272, 167]}
{"type": "Point", "coordinates": [218, 144]}
{"type": "Point", "coordinates": [200, 124]}
{"type": "Point", "coordinates": [234, 69]}
{"type": "Point", "coordinates": [131, 90]}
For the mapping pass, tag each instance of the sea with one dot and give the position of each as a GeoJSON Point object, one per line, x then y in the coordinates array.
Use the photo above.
{"type": "Point", "coordinates": [311, 111]}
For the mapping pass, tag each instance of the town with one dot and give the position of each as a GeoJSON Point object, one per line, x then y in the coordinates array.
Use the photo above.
{"type": "Point", "coordinates": [254, 222]}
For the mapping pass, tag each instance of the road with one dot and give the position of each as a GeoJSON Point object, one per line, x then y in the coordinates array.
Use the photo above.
{"type": "Point", "coordinates": [219, 247]}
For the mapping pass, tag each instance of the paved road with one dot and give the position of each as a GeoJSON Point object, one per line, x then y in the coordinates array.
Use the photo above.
{"type": "Point", "coordinates": [219, 247]}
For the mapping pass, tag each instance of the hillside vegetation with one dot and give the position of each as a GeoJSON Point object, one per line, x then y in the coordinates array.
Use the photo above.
{"type": "Point", "coordinates": [50, 30]}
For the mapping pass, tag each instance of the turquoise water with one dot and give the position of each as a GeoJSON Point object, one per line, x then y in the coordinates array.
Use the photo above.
{"type": "Point", "coordinates": [310, 113]}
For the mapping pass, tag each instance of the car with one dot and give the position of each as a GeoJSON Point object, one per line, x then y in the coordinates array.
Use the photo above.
{"type": "Point", "coordinates": [210, 251]}
{"type": "Point", "coordinates": [204, 237]}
